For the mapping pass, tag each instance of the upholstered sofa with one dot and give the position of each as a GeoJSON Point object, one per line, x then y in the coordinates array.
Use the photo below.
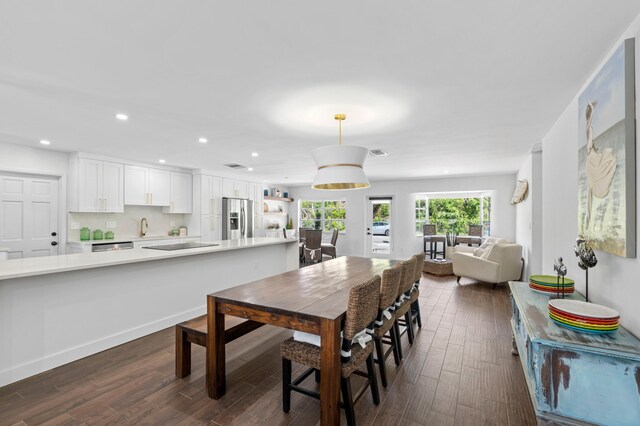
{"type": "Point", "coordinates": [495, 261]}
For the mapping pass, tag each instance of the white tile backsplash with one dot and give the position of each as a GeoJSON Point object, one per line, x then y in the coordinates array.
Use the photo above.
{"type": "Point", "coordinates": [127, 224]}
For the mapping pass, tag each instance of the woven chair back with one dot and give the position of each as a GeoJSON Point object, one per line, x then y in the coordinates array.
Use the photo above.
{"type": "Point", "coordinates": [419, 266]}
{"type": "Point", "coordinates": [313, 239]}
{"type": "Point", "coordinates": [334, 237]}
{"type": "Point", "coordinates": [475, 230]}
{"type": "Point", "coordinates": [363, 307]}
{"type": "Point", "coordinates": [389, 287]}
{"type": "Point", "coordinates": [408, 272]}
{"type": "Point", "coordinates": [428, 229]}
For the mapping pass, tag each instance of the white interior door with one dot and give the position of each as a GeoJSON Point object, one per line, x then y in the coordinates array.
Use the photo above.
{"type": "Point", "coordinates": [29, 216]}
{"type": "Point", "coordinates": [379, 232]}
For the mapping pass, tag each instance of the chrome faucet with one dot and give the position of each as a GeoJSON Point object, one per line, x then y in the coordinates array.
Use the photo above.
{"type": "Point", "coordinates": [144, 225]}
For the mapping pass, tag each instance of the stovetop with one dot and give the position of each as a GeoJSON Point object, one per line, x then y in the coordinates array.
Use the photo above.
{"type": "Point", "coordinates": [180, 246]}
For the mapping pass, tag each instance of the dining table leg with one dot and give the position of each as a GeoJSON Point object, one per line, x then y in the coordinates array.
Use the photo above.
{"type": "Point", "coordinates": [215, 368]}
{"type": "Point", "coordinates": [330, 372]}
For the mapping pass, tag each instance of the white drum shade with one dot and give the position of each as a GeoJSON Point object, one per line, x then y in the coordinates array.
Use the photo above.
{"type": "Point", "coordinates": [340, 167]}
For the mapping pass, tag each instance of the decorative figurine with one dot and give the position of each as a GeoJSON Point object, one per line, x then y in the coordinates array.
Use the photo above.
{"type": "Point", "coordinates": [561, 270]}
{"type": "Point", "coordinates": [586, 259]}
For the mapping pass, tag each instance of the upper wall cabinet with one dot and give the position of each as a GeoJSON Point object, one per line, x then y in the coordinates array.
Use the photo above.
{"type": "Point", "coordinates": [147, 186]}
{"type": "Point", "coordinates": [232, 188]}
{"type": "Point", "coordinates": [95, 186]}
{"type": "Point", "coordinates": [211, 195]}
{"type": "Point", "coordinates": [180, 201]}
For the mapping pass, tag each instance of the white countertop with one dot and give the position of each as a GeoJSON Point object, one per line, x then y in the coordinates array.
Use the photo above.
{"type": "Point", "coordinates": [70, 262]}
{"type": "Point", "coordinates": [133, 239]}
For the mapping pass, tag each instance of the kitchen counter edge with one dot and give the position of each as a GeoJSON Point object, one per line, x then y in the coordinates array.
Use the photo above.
{"type": "Point", "coordinates": [19, 268]}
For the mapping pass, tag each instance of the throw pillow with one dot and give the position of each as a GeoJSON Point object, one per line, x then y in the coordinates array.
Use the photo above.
{"type": "Point", "coordinates": [487, 252]}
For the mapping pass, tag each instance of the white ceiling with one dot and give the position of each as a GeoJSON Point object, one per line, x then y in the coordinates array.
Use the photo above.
{"type": "Point", "coordinates": [457, 86]}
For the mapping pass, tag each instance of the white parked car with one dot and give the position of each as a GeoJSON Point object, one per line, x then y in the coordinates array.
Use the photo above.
{"type": "Point", "coordinates": [380, 228]}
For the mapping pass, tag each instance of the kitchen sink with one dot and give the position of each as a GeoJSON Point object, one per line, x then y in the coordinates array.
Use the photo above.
{"type": "Point", "coordinates": [180, 246]}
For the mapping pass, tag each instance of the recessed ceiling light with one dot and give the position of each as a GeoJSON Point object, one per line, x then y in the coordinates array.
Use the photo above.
{"type": "Point", "coordinates": [162, 161]}
{"type": "Point", "coordinates": [45, 142]}
{"type": "Point", "coordinates": [445, 172]}
{"type": "Point", "coordinates": [250, 169]}
{"type": "Point", "coordinates": [254, 154]}
{"type": "Point", "coordinates": [122, 117]}
{"type": "Point", "coordinates": [202, 140]}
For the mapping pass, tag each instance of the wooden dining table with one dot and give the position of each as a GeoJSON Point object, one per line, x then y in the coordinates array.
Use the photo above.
{"type": "Point", "coordinates": [311, 299]}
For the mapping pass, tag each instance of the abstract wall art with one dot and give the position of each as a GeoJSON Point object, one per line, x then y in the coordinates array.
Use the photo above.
{"type": "Point", "coordinates": [606, 156]}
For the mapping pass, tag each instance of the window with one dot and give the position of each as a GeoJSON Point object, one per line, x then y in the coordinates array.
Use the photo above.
{"type": "Point", "coordinates": [451, 214]}
{"type": "Point", "coordinates": [325, 215]}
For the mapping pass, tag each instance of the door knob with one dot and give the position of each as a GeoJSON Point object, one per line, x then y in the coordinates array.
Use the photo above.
{"type": "Point", "coordinates": [53, 234]}
{"type": "Point", "coordinates": [54, 243]}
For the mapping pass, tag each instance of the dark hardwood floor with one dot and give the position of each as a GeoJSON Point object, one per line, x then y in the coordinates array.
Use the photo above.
{"type": "Point", "coordinates": [460, 371]}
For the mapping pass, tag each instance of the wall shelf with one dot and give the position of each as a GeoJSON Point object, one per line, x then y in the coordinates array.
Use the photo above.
{"type": "Point", "coordinates": [286, 200]}
{"type": "Point", "coordinates": [276, 213]}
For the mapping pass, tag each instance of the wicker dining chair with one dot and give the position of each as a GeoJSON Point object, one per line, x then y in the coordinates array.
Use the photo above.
{"type": "Point", "coordinates": [362, 309]}
{"type": "Point", "coordinates": [384, 331]}
{"type": "Point", "coordinates": [330, 249]}
{"type": "Point", "coordinates": [415, 292]}
{"type": "Point", "coordinates": [403, 304]}
{"type": "Point", "coordinates": [313, 246]}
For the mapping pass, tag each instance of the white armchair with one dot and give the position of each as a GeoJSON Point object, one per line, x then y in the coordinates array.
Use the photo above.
{"type": "Point", "coordinates": [500, 262]}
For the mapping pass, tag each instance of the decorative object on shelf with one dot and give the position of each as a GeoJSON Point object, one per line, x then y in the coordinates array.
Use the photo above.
{"type": "Point", "coordinates": [183, 231]}
{"type": "Point", "coordinates": [108, 235]}
{"type": "Point", "coordinates": [85, 234]}
{"type": "Point", "coordinates": [274, 225]}
{"type": "Point", "coordinates": [340, 166]}
{"type": "Point", "coordinates": [520, 193]}
{"type": "Point", "coordinates": [265, 207]}
{"type": "Point", "coordinates": [561, 270]}
{"type": "Point", "coordinates": [285, 195]}
{"type": "Point", "coordinates": [587, 259]}
{"type": "Point", "coordinates": [266, 192]}
{"type": "Point", "coordinates": [97, 234]}
{"type": "Point", "coordinates": [584, 317]}
{"type": "Point", "coordinates": [606, 161]}
{"type": "Point", "coordinates": [277, 193]}
{"type": "Point", "coordinates": [549, 284]}
{"type": "Point", "coordinates": [290, 223]}
{"type": "Point", "coordinates": [174, 232]}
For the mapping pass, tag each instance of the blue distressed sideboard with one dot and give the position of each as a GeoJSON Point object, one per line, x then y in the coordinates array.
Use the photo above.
{"type": "Point", "coordinates": [575, 377]}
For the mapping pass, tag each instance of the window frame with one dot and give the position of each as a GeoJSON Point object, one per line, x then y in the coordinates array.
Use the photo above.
{"type": "Point", "coordinates": [470, 194]}
{"type": "Point", "coordinates": [323, 219]}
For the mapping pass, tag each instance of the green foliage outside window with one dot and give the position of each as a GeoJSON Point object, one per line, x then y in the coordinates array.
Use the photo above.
{"type": "Point", "coordinates": [453, 214]}
{"type": "Point", "coordinates": [325, 215]}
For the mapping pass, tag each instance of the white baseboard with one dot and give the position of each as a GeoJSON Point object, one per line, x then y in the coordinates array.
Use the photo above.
{"type": "Point", "coordinates": [47, 362]}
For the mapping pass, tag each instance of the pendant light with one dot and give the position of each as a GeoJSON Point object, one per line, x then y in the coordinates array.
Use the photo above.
{"type": "Point", "coordinates": [340, 166]}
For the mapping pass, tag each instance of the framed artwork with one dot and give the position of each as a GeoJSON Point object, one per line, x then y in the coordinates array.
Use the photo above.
{"type": "Point", "coordinates": [607, 156]}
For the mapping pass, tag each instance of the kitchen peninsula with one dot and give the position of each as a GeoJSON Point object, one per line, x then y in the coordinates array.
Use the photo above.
{"type": "Point", "coordinates": [57, 309]}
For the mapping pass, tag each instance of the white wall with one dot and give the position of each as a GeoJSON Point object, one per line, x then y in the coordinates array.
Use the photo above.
{"type": "Point", "coordinates": [529, 215]}
{"type": "Point", "coordinates": [17, 158]}
{"type": "Point", "coordinates": [403, 210]}
{"type": "Point", "coordinates": [614, 281]}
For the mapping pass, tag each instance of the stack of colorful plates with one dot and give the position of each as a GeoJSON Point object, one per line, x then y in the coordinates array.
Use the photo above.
{"type": "Point", "coordinates": [583, 317]}
{"type": "Point", "coordinates": [548, 284]}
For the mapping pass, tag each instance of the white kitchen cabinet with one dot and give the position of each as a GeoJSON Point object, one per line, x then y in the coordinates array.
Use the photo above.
{"type": "Point", "coordinates": [211, 195]}
{"type": "Point", "coordinates": [258, 200]}
{"type": "Point", "coordinates": [180, 199]}
{"type": "Point", "coordinates": [98, 186]}
{"type": "Point", "coordinates": [147, 186]}
{"type": "Point", "coordinates": [210, 227]}
{"type": "Point", "coordinates": [232, 188]}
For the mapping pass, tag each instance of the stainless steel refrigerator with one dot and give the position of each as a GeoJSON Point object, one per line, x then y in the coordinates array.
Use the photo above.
{"type": "Point", "coordinates": [237, 218]}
